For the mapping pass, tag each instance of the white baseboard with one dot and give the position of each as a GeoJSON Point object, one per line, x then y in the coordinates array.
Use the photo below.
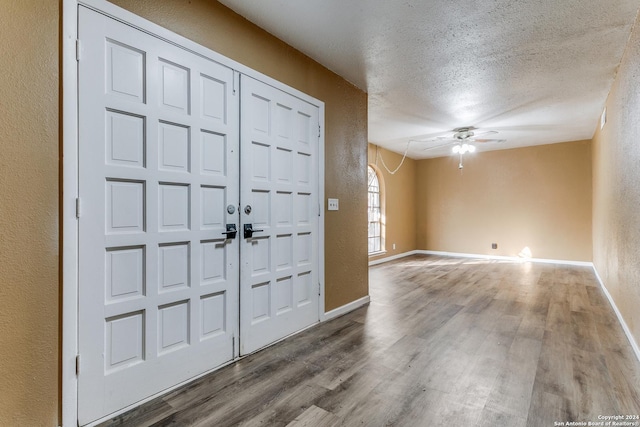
{"type": "Point", "coordinates": [625, 328]}
{"type": "Point", "coordinates": [506, 258]}
{"type": "Point", "coordinates": [336, 312]}
{"type": "Point", "coordinates": [391, 258]}
{"type": "Point", "coordinates": [465, 255]}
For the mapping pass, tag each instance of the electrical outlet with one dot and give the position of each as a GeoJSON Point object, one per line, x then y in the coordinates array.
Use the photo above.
{"type": "Point", "coordinates": [394, 246]}
{"type": "Point", "coordinates": [332, 204]}
{"type": "Point", "coordinates": [494, 246]}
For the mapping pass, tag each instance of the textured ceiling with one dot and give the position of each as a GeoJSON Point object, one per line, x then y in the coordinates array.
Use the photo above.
{"type": "Point", "coordinates": [536, 71]}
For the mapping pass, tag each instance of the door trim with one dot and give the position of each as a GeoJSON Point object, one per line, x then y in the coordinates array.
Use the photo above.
{"type": "Point", "coordinates": [69, 175]}
{"type": "Point", "coordinates": [69, 225]}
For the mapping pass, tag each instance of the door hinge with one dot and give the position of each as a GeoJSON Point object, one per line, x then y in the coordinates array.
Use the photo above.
{"type": "Point", "coordinates": [319, 287]}
{"type": "Point", "coordinates": [77, 365]}
{"type": "Point", "coordinates": [77, 50]}
{"type": "Point", "coordinates": [78, 207]}
{"type": "Point", "coordinates": [319, 131]}
{"type": "Point", "coordinates": [319, 210]}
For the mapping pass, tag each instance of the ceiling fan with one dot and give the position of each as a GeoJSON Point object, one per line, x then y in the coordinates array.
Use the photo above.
{"type": "Point", "coordinates": [462, 140]}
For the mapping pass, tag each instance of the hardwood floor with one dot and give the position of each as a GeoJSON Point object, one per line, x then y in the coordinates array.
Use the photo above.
{"type": "Point", "coordinates": [444, 342]}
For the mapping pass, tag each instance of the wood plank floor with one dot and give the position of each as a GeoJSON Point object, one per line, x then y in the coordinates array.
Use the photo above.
{"type": "Point", "coordinates": [444, 342]}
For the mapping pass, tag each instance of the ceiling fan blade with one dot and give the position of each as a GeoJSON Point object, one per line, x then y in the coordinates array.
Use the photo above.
{"type": "Point", "coordinates": [435, 138]}
{"type": "Point", "coordinates": [485, 132]}
{"type": "Point", "coordinates": [484, 141]}
{"type": "Point", "coordinates": [458, 136]}
{"type": "Point", "coordinates": [422, 137]}
{"type": "Point", "coordinates": [438, 146]}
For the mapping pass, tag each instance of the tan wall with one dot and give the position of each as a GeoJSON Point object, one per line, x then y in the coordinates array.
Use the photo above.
{"type": "Point", "coordinates": [398, 191]}
{"type": "Point", "coordinates": [537, 197]}
{"type": "Point", "coordinates": [29, 285]}
{"type": "Point", "coordinates": [616, 190]}
{"type": "Point", "coordinates": [29, 220]}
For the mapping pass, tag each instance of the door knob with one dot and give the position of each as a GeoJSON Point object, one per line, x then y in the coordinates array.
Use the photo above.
{"type": "Point", "coordinates": [248, 231]}
{"type": "Point", "coordinates": [231, 231]}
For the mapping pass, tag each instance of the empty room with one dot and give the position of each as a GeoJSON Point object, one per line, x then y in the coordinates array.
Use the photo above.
{"type": "Point", "coordinates": [320, 213]}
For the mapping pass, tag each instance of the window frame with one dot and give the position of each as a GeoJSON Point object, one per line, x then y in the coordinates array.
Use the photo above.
{"type": "Point", "coordinates": [375, 209]}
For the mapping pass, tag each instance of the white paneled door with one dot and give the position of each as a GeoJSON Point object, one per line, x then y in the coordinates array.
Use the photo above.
{"type": "Point", "coordinates": [279, 190]}
{"type": "Point", "coordinates": [158, 166]}
{"type": "Point", "coordinates": [165, 293]}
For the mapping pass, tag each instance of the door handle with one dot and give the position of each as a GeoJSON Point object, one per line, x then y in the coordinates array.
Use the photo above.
{"type": "Point", "coordinates": [231, 231]}
{"type": "Point", "coordinates": [248, 231]}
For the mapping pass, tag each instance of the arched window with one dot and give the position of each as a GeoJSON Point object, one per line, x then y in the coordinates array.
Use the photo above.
{"type": "Point", "coordinates": [375, 213]}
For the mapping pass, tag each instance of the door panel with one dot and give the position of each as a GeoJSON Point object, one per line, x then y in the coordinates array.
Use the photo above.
{"type": "Point", "coordinates": [279, 181]}
{"type": "Point", "coordinates": [158, 165]}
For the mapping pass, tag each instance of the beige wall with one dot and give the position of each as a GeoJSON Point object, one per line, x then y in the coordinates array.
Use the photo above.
{"type": "Point", "coordinates": [29, 194]}
{"type": "Point", "coordinates": [616, 190]}
{"type": "Point", "coordinates": [537, 197]}
{"type": "Point", "coordinates": [29, 284]}
{"type": "Point", "coordinates": [398, 191]}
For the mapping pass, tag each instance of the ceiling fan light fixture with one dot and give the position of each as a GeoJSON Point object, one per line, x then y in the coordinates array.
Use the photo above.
{"type": "Point", "coordinates": [464, 148]}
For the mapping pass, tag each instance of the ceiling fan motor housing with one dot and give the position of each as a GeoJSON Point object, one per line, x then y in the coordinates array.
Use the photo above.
{"type": "Point", "coordinates": [463, 133]}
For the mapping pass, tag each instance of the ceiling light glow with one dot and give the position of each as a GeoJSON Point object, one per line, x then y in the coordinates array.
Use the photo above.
{"type": "Point", "coordinates": [464, 148]}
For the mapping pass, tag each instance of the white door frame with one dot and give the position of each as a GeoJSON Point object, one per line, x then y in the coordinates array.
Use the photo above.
{"type": "Point", "coordinates": [69, 120]}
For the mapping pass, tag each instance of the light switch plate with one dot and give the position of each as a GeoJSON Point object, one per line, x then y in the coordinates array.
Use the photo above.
{"type": "Point", "coordinates": [332, 204]}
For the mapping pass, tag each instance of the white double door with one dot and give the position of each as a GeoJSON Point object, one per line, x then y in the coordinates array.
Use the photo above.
{"type": "Point", "coordinates": [176, 150]}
